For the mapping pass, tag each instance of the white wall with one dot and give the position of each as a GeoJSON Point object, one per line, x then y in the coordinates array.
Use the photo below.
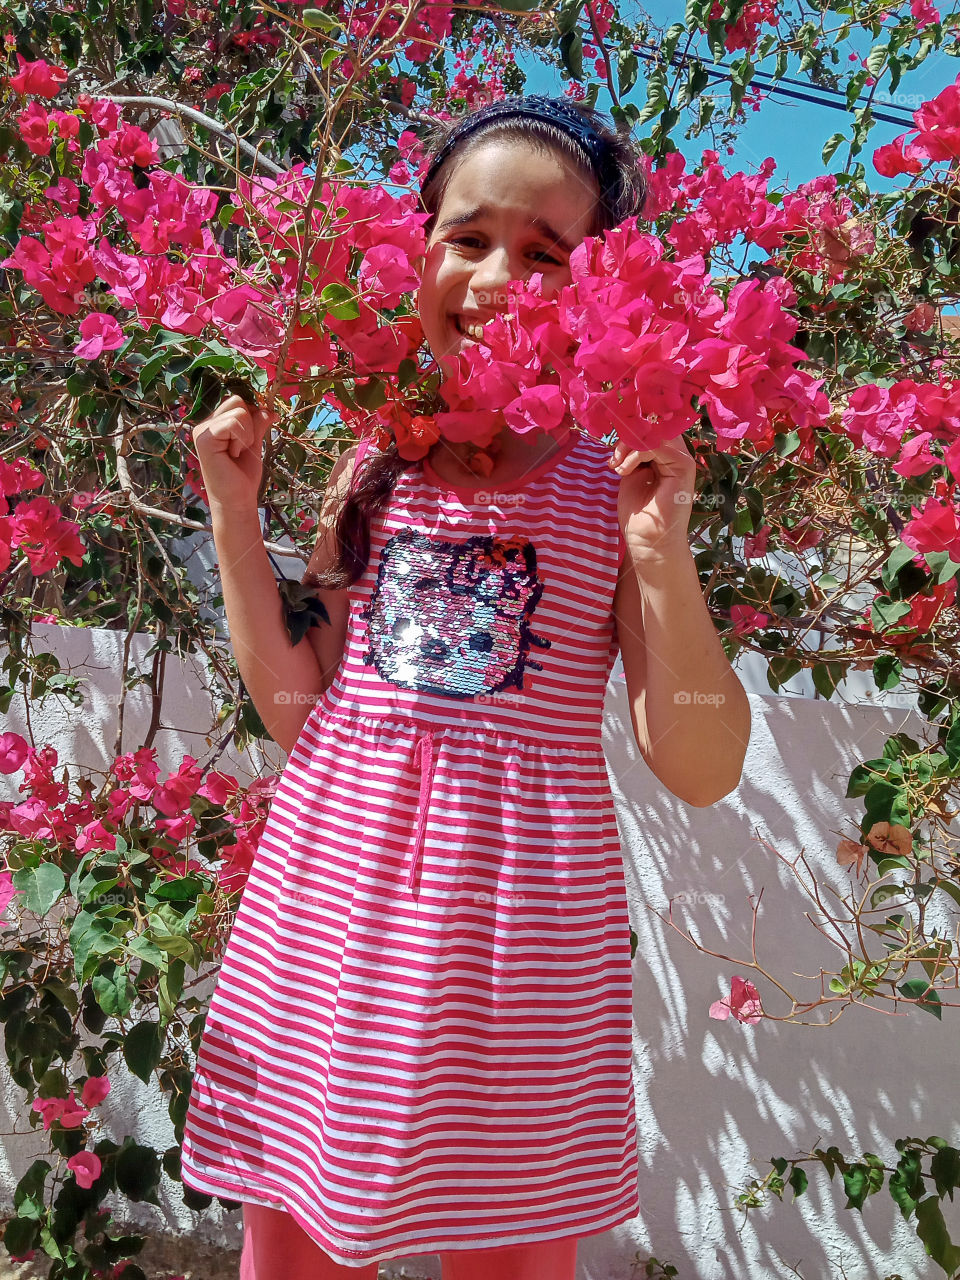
{"type": "Point", "coordinates": [715, 1099]}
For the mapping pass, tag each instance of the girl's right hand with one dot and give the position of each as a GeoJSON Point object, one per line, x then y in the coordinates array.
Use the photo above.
{"type": "Point", "coordinates": [229, 447]}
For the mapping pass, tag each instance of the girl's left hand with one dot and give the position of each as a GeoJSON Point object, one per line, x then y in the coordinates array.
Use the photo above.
{"type": "Point", "coordinates": [656, 492]}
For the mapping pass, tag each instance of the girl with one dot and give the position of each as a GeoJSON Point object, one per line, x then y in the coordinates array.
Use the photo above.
{"type": "Point", "coordinates": [420, 1039]}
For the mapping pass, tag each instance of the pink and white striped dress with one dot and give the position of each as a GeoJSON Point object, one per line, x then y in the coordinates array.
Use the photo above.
{"type": "Point", "coordinates": [420, 1037]}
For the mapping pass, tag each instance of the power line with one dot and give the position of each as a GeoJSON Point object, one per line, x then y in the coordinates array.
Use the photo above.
{"type": "Point", "coordinates": [774, 87]}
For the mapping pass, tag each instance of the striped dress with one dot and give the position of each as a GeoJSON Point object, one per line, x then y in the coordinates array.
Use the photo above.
{"type": "Point", "coordinates": [420, 1036]}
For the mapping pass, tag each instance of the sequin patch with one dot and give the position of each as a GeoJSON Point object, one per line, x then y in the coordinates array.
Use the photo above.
{"type": "Point", "coordinates": [454, 617]}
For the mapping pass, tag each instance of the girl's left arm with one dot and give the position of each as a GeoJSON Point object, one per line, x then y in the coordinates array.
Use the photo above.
{"type": "Point", "coordinates": [690, 713]}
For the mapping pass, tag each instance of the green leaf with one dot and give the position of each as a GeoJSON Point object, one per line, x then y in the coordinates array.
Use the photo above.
{"type": "Point", "coordinates": [920, 989]}
{"type": "Point", "coordinates": [114, 991]}
{"type": "Point", "coordinates": [302, 608]}
{"type": "Point", "coordinates": [41, 886]}
{"type": "Point", "coordinates": [941, 566]}
{"type": "Point", "coordinates": [340, 301]}
{"type": "Point", "coordinates": [876, 59]}
{"type": "Point", "coordinates": [830, 146]}
{"type": "Point", "coordinates": [656, 96]}
{"type": "Point", "coordinates": [865, 775]}
{"type": "Point", "coordinates": [951, 745]}
{"type": "Point", "coordinates": [138, 1171]}
{"type": "Point", "coordinates": [950, 889]}
{"type": "Point", "coordinates": [786, 443]}
{"type": "Point", "coordinates": [319, 20]}
{"type": "Point", "coordinates": [627, 67]}
{"type": "Point", "coordinates": [887, 671]}
{"type": "Point", "coordinates": [798, 1180]}
{"type": "Point", "coordinates": [945, 1169]}
{"type": "Point", "coordinates": [183, 889]}
{"type": "Point", "coordinates": [90, 936]}
{"type": "Point", "coordinates": [31, 1184]}
{"type": "Point", "coordinates": [826, 677]}
{"type": "Point", "coordinates": [571, 53]}
{"type": "Point", "coordinates": [143, 1049]}
{"type": "Point", "coordinates": [932, 1231]}
{"type": "Point", "coordinates": [781, 671]}
{"type": "Point", "coordinates": [906, 1183]}
{"type": "Point", "coordinates": [885, 612]}
{"type": "Point", "coordinates": [862, 1180]}
{"type": "Point", "coordinates": [901, 555]}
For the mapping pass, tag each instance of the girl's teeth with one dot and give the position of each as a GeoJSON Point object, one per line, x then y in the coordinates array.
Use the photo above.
{"type": "Point", "coordinates": [475, 330]}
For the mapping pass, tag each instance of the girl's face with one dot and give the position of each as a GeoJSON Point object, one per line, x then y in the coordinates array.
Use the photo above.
{"type": "Point", "coordinates": [510, 209]}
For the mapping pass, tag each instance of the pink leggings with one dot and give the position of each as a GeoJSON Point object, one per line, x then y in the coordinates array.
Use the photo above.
{"type": "Point", "coordinates": [275, 1247]}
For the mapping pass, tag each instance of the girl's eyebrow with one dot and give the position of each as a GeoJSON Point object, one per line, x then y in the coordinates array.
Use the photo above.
{"type": "Point", "coordinates": [483, 211]}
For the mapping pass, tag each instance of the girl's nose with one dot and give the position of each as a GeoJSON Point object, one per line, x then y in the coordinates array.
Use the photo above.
{"type": "Point", "coordinates": [491, 274]}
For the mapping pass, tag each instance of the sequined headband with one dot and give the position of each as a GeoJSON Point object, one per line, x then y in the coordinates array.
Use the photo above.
{"type": "Point", "coordinates": [542, 108]}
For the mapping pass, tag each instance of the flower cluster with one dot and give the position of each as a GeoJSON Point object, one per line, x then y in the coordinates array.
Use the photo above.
{"type": "Point", "coordinates": [640, 341]}
{"type": "Point", "coordinates": [743, 1002]}
{"type": "Point", "coordinates": [642, 338]}
{"type": "Point", "coordinates": [180, 803]}
{"type": "Point", "coordinates": [34, 526]}
{"type": "Point", "coordinates": [936, 136]}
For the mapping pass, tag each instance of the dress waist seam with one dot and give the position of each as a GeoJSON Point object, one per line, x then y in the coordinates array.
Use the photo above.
{"type": "Point", "coordinates": [346, 716]}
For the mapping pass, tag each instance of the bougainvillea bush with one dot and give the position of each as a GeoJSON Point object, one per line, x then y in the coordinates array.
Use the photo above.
{"type": "Point", "coordinates": [204, 198]}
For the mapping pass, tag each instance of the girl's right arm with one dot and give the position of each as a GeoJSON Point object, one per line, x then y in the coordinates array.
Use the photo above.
{"type": "Point", "coordinates": [284, 680]}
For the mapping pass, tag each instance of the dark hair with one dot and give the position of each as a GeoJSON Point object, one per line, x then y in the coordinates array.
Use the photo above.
{"type": "Point", "coordinates": [375, 480]}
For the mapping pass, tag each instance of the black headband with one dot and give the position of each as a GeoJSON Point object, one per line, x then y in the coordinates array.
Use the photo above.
{"type": "Point", "coordinates": [542, 108]}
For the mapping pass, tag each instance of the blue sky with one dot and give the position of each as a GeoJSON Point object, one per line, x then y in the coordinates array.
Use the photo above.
{"type": "Point", "coordinates": [790, 131]}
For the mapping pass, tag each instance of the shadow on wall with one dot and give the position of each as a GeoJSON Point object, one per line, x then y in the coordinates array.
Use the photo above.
{"type": "Point", "coordinates": [716, 1100]}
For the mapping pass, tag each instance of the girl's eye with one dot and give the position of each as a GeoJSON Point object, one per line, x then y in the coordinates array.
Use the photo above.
{"type": "Point", "coordinates": [537, 253]}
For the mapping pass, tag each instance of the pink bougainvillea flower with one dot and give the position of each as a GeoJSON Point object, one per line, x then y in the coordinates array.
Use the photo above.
{"type": "Point", "coordinates": [755, 544]}
{"type": "Point", "coordinates": [95, 1089]}
{"type": "Point", "coordinates": [41, 532]}
{"type": "Point", "coordinates": [140, 769]}
{"type": "Point", "coordinates": [938, 124]}
{"type": "Point", "coordinates": [7, 891]}
{"type": "Point", "coordinates": [851, 854]}
{"type": "Point", "coordinates": [746, 619]}
{"type": "Point", "coordinates": [891, 838]}
{"type": "Point", "coordinates": [13, 752]}
{"type": "Point", "coordinates": [743, 1002]}
{"type": "Point", "coordinates": [921, 318]}
{"type": "Point", "coordinates": [923, 13]}
{"type": "Point", "coordinates": [86, 1168]}
{"type": "Point", "coordinates": [936, 527]}
{"type": "Point", "coordinates": [899, 156]}
{"type": "Point", "coordinates": [173, 796]}
{"type": "Point", "coordinates": [37, 78]}
{"type": "Point", "coordinates": [49, 1108]}
{"type": "Point", "coordinates": [99, 332]}
{"type": "Point", "coordinates": [218, 787]}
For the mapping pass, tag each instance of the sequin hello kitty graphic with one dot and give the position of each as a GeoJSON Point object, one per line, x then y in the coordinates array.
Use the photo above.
{"type": "Point", "coordinates": [454, 617]}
